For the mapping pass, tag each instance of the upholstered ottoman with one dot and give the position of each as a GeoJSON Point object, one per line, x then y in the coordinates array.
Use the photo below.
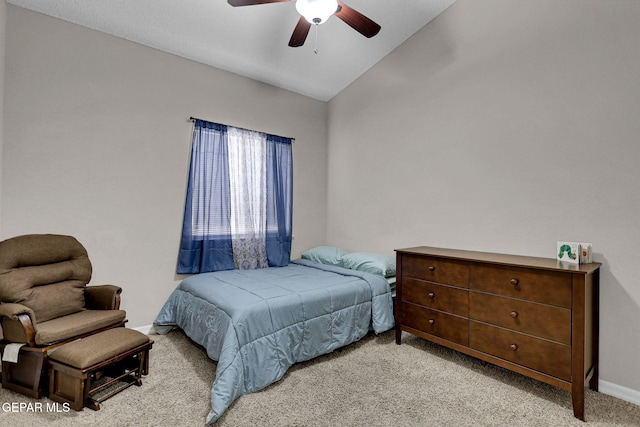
{"type": "Point", "coordinates": [115, 358]}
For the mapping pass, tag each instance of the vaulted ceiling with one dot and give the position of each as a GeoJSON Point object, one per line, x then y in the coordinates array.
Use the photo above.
{"type": "Point", "coordinates": [253, 40]}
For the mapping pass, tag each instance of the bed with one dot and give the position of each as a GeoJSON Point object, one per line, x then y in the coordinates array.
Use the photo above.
{"type": "Point", "coordinates": [257, 323]}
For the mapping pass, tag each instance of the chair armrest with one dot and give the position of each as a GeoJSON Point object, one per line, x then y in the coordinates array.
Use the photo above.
{"type": "Point", "coordinates": [18, 323]}
{"type": "Point", "coordinates": [12, 310]}
{"type": "Point", "coordinates": [102, 297]}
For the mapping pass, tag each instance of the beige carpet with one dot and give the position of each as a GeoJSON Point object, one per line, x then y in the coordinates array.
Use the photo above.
{"type": "Point", "coordinates": [371, 383]}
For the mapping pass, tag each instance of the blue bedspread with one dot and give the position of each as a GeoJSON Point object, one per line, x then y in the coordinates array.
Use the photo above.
{"type": "Point", "coordinates": [257, 323]}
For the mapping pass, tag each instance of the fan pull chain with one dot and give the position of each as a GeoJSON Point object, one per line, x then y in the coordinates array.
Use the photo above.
{"type": "Point", "coordinates": [316, 49]}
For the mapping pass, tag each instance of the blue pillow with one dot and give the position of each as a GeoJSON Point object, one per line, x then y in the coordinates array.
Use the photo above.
{"type": "Point", "coordinates": [379, 264]}
{"type": "Point", "coordinates": [325, 255]}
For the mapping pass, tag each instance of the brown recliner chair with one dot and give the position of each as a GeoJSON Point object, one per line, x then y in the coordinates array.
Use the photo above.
{"type": "Point", "coordinates": [45, 303]}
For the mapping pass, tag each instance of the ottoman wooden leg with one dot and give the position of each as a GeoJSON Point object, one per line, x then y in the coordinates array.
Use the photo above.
{"type": "Point", "coordinates": [67, 385]}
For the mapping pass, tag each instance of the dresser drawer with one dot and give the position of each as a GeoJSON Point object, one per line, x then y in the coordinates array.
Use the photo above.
{"type": "Point", "coordinates": [455, 273]}
{"type": "Point", "coordinates": [534, 285]}
{"type": "Point", "coordinates": [443, 325]}
{"type": "Point", "coordinates": [440, 297]}
{"type": "Point", "coordinates": [541, 320]}
{"type": "Point", "coordinates": [538, 354]}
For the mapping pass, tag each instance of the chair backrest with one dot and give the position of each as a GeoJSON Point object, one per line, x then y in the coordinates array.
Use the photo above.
{"type": "Point", "coordinates": [45, 272]}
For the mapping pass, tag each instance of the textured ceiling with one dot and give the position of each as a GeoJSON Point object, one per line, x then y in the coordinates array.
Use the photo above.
{"type": "Point", "coordinates": [252, 40]}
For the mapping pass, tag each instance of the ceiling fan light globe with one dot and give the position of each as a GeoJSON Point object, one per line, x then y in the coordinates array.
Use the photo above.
{"type": "Point", "coordinates": [316, 11]}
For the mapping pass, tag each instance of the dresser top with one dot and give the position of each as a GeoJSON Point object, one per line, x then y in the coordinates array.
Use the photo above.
{"type": "Point", "coordinates": [503, 259]}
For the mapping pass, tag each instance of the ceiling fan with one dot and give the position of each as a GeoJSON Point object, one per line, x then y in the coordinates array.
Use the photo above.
{"type": "Point", "coordinates": [318, 11]}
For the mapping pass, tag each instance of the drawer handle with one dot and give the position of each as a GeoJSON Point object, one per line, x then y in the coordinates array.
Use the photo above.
{"type": "Point", "coordinates": [431, 295]}
{"type": "Point", "coordinates": [513, 347]}
{"type": "Point", "coordinates": [514, 282]}
{"type": "Point", "coordinates": [514, 314]}
{"type": "Point", "coordinates": [431, 268]}
{"type": "Point", "coordinates": [431, 321]}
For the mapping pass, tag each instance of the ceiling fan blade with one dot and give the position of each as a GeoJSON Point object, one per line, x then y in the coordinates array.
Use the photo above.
{"type": "Point", "coordinates": [300, 32]}
{"type": "Point", "coordinates": [356, 20]}
{"type": "Point", "coordinates": [252, 2]}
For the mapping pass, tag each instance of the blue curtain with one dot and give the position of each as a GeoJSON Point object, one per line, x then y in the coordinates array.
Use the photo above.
{"type": "Point", "coordinates": [207, 240]}
{"type": "Point", "coordinates": [279, 200]}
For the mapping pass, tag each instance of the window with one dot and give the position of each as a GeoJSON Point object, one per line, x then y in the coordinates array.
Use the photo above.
{"type": "Point", "coordinates": [239, 200]}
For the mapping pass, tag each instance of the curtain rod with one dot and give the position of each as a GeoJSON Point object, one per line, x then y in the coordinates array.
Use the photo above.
{"type": "Point", "coordinates": [193, 119]}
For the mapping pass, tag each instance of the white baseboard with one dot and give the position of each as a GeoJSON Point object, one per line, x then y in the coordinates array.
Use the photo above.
{"type": "Point", "coordinates": [615, 390]}
{"type": "Point", "coordinates": [144, 329]}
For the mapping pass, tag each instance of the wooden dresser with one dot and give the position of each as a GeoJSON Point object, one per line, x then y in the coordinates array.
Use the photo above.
{"type": "Point", "coordinates": [534, 316]}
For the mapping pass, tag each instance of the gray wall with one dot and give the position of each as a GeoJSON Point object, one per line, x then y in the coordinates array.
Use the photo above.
{"type": "Point", "coordinates": [503, 126]}
{"type": "Point", "coordinates": [97, 143]}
